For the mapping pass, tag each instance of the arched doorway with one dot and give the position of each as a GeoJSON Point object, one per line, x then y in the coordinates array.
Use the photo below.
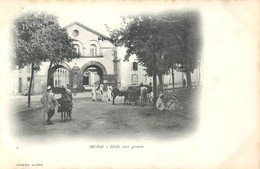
{"type": "Point", "coordinates": [91, 73]}
{"type": "Point", "coordinates": [60, 75]}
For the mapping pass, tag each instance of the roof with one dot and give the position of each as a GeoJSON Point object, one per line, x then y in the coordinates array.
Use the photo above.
{"type": "Point", "coordinates": [87, 28]}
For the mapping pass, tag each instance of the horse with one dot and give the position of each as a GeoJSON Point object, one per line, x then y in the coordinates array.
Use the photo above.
{"type": "Point", "coordinates": [132, 93]}
{"type": "Point", "coordinates": [139, 92]}
{"type": "Point", "coordinates": [64, 108]}
{"type": "Point", "coordinates": [116, 92]}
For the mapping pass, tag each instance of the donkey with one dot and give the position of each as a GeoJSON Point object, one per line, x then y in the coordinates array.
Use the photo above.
{"type": "Point", "coordinates": [117, 92]}
{"type": "Point", "coordinates": [65, 109]}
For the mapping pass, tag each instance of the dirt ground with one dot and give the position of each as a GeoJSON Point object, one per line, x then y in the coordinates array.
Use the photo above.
{"type": "Point", "coordinates": [93, 119]}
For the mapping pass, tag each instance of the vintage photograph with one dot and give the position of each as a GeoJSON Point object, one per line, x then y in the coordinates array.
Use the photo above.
{"type": "Point", "coordinates": [141, 79]}
{"type": "Point", "coordinates": [98, 84]}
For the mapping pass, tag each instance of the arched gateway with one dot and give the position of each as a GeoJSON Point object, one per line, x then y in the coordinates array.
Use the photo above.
{"type": "Point", "coordinates": [60, 74]}
{"type": "Point", "coordinates": [91, 73]}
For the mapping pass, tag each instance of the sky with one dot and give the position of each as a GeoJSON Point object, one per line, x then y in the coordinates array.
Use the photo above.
{"type": "Point", "coordinates": [95, 15]}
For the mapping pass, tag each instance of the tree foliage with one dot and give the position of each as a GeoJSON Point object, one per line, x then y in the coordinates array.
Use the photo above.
{"type": "Point", "coordinates": [37, 38]}
{"type": "Point", "coordinates": [161, 41]}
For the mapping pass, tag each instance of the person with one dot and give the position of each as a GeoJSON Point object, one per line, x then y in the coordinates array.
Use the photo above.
{"type": "Point", "coordinates": [49, 102]}
{"type": "Point", "coordinates": [150, 94]}
{"type": "Point", "coordinates": [68, 87]}
{"type": "Point", "coordinates": [94, 96]}
{"type": "Point", "coordinates": [109, 91]}
{"type": "Point", "coordinates": [75, 86]}
{"type": "Point", "coordinates": [101, 89]}
{"type": "Point", "coordinates": [143, 93]}
{"type": "Point", "coordinates": [98, 91]}
{"type": "Point", "coordinates": [66, 95]}
{"type": "Point", "coordinates": [184, 82]}
{"type": "Point", "coordinates": [174, 103]}
{"type": "Point", "coordinates": [160, 105]}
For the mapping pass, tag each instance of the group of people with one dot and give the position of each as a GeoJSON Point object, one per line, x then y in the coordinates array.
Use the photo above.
{"type": "Point", "coordinates": [167, 104]}
{"type": "Point", "coordinates": [50, 102]}
{"type": "Point", "coordinates": [99, 92]}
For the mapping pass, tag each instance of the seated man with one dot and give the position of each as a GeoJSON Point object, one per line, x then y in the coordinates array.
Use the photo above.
{"type": "Point", "coordinates": [173, 103]}
{"type": "Point", "coordinates": [160, 105]}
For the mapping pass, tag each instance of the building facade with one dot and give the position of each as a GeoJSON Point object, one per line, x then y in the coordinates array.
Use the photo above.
{"type": "Point", "coordinates": [100, 62]}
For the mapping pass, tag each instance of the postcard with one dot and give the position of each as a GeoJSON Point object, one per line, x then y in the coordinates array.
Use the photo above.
{"type": "Point", "coordinates": [129, 84]}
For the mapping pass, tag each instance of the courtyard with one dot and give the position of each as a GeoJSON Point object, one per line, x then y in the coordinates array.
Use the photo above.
{"type": "Point", "coordinates": [94, 119]}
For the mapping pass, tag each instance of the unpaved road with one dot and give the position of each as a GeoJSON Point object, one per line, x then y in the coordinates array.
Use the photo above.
{"type": "Point", "coordinates": [92, 119]}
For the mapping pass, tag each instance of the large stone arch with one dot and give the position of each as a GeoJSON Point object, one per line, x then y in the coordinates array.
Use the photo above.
{"type": "Point", "coordinates": [89, 64]}
{"type": "Point", "coordinates": [61, 65]}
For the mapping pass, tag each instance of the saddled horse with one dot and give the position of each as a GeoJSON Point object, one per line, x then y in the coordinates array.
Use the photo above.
{"type": "Point", "coordinates": [65, 109]}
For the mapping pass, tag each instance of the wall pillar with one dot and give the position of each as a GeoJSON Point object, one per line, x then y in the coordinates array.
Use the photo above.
{"type": "Point", "coordinates": [76, 78]}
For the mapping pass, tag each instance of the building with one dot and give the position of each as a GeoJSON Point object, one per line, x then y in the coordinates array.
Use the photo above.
{"type": "Point", "coordinates": [100, 62]}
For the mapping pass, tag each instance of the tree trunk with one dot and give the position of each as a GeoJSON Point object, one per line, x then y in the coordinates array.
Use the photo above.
{"type": "Point", "coordinates": [154, 88]}
{"type": "Point", "coordinates": [154, 82]}
{"type": "Point", "coordinates": [172, 79]}
{"type": "Point", "coordinates": [49, 77]}
{"type": "Point", "coordinates": [30, 85]}
{"type": "Point", "coordinates": [188, 75]}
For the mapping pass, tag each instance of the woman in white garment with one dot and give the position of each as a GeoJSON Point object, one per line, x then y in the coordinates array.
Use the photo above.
{"type": "Point", "coordinates": [160, 105]}
{"type": "Point", "coordinates": [94, 96]}
{"type": "Point", "coordinates": [109, 92]}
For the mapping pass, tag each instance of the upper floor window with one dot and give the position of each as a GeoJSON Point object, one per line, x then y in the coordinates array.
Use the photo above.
{"type": "Point", "coordinates": [93, 50]}
{"type": "Point", "coordinates": [76, 49]}
{"type": "Point", "coordinates": [135, 66]}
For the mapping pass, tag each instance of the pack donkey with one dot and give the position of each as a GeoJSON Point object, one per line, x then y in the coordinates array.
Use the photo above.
{"type": "Point", "coordinates": [65, 108]}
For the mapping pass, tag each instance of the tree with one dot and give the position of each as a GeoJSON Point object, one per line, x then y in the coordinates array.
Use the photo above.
{"type": "Point", "coordinates": [162, 42]}
{"type": "Point", "coordinates": [144, 37]}
{"type": "Point", "coordinates": [39, 38]}
{"type": "Point", "coordinates": [182, 52]}
{"type": "Point", "coordinates": [184, 55]}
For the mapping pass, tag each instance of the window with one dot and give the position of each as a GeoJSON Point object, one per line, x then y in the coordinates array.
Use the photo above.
{"type": "Point", "coordinates": [75, 32]}
{"type": "Point", "coordinates": [76, 49]}
{"type": "Point", "coordinates": [93, 50]}
{"type": "Point", "coordinates": [134, 79]}
{"type": "Point", "coordinates": [135, 66]}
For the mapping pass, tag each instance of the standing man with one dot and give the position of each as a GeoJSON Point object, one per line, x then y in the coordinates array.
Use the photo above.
{"type": "Point", "coordinates": [183, 82]}
{"type": "Point", "coordinates": [49, 103]}
{"type": "Point", "coordinates": [143, 93]}
{"type": "Point", "coordinates": [75, 86]}
{"type": "Point", "coordinates": [109, 91]}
